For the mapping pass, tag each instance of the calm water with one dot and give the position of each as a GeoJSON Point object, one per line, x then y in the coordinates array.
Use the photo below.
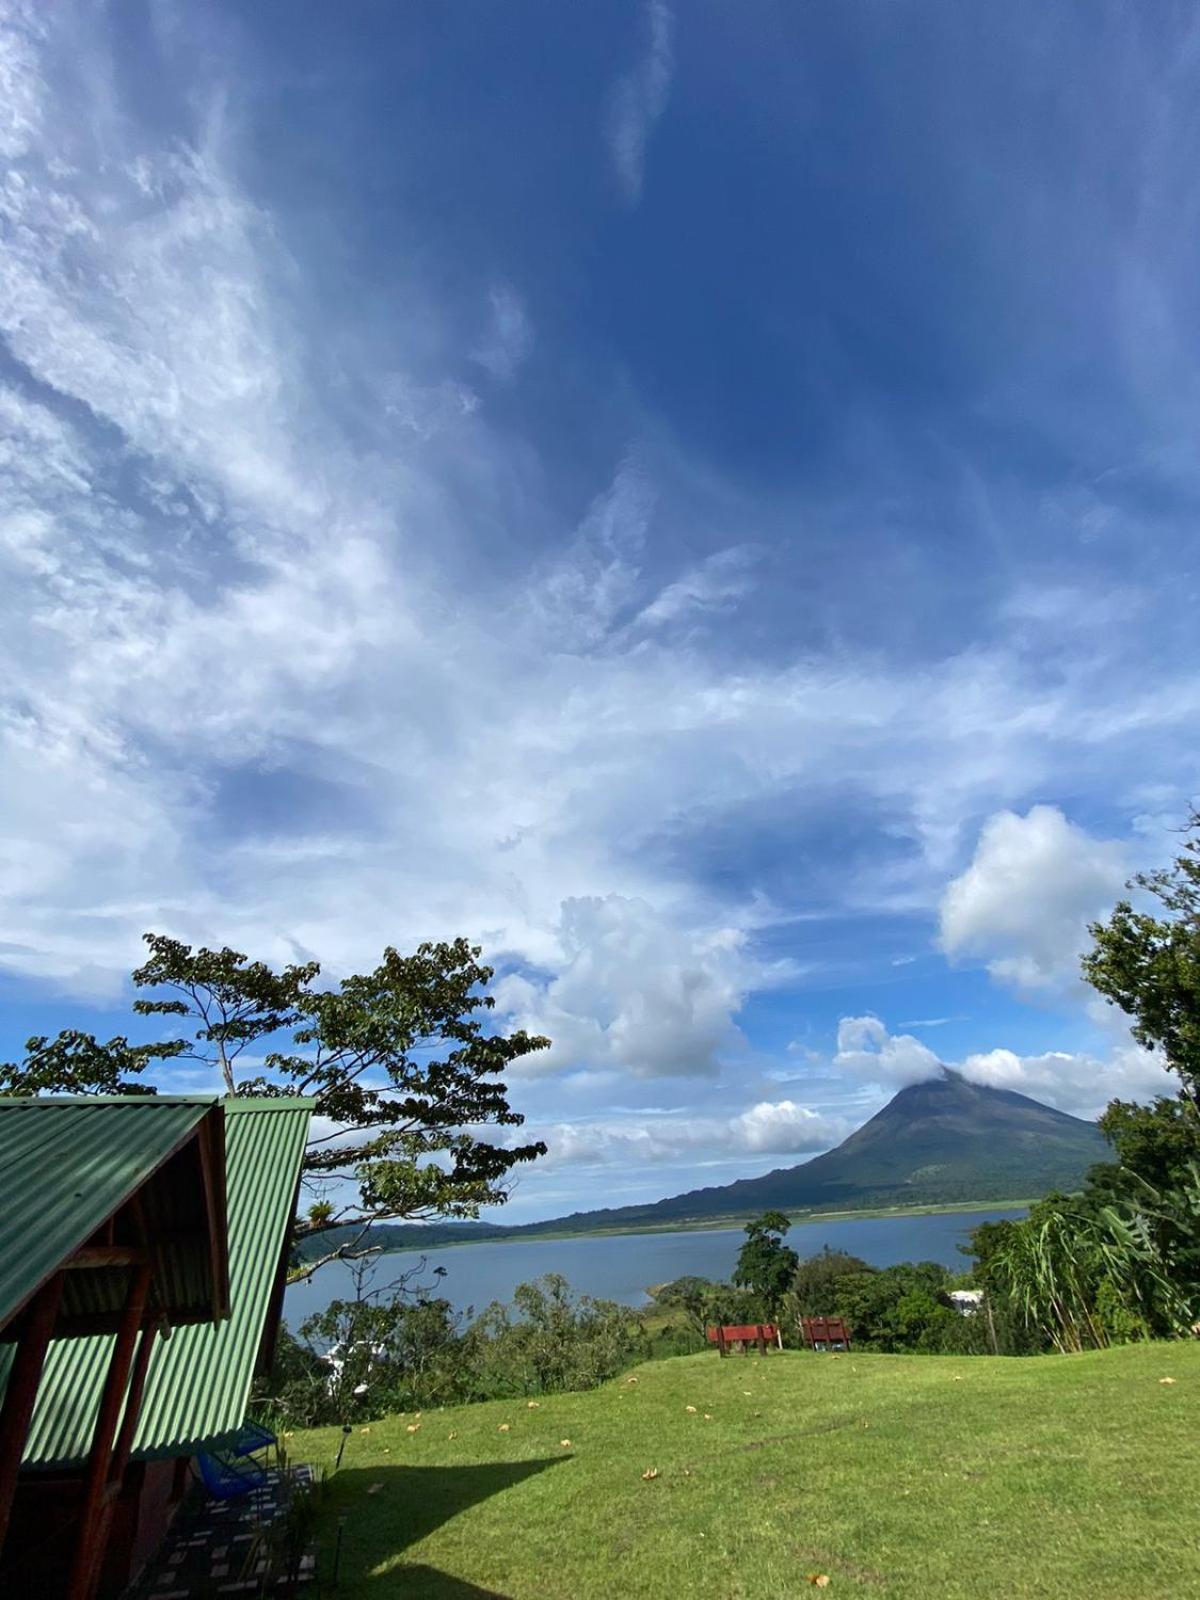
{"type": "Point", "coordinates": [621, 1266]}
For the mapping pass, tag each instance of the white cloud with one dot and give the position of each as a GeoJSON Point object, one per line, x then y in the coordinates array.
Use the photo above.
{"type": "Point", "coordinates": [782, 1128]}
{"type": "Point", "coordinates": [632, 991]}
{"type": "Point", "coordinates": [209, 579]}
{"type": "Point", "coordinates": [509, 338]}
{"type": "Point", "coordinates": [639, 99]}
{"type": "Point", "coordinates": [1024, 902]}
{"type": "Point", "coordinates": [712, 586]}
{"type": "Point", "coordinates": [1081, 1083]}
{"type": "Point", "coordinates": [867, 1051]}
{"type": "Point", "coordinates": [426, 409]}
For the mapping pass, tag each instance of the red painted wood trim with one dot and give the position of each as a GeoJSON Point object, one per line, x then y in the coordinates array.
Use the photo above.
{"type": "Point", "coordinates": [15, 1414]}
{"type": "Point", "coordinates": [93, 1518]}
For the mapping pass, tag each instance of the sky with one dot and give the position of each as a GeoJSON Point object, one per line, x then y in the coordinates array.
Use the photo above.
{"type": "Point", "coordinates": [700, 499]}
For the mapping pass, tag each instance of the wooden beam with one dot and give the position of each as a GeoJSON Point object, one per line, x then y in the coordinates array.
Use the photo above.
{"type": "Point", "coordinates": [211, 1148]}
{"type": "Point", "coordinates": [21, 1393]}
{"type": "Point", "coordinates": [92, 1520]}
{"type": "Point", "coordinates": [106, 1255]}
{"type": "Point", "coordinates": [133, 1405]}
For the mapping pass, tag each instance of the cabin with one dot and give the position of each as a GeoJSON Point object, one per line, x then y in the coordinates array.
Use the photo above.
{"type": "Point", "coordinates": [143, 1256]}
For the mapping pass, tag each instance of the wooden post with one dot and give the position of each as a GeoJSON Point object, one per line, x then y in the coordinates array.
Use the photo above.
{"type": "Point", "coordinates": [762, 1341]}
{"type": "Point", "coordinates": [133, 1404]}
{"type": "Point", "coordinates": [721, 1339]}
{"type": "Point", "coordinates": [93, 1518]}
{"type": "Point", "coordinates": [23, 1380]}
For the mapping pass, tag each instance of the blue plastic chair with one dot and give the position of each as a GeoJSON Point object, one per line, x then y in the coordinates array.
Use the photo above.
{"type": "Point", "coordinates": [227, 1476]}
{"type": "Point", "coordinates": [251, 1438]}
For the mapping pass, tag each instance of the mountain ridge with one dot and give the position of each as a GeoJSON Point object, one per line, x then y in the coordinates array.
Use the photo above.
{"type": "Point", "coordinates": [941, 1141]}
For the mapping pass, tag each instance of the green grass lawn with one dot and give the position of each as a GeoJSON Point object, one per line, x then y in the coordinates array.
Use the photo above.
{"type": "Point", "coordinates": [894, 1476]}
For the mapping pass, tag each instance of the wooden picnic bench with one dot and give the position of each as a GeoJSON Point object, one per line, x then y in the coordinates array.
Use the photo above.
{"type": "Point", "coordinates": [825, 1333]}
{"type": "Point", "coordinates": [745, 1334]}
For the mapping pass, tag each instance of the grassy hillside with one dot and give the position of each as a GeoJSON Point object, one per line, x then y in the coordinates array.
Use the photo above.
{"type": "Point", "coordinates": [898, 1477]}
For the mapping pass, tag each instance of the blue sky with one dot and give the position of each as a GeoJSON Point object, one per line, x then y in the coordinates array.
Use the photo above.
{"type": "Point", "coordinates": [700, 499]}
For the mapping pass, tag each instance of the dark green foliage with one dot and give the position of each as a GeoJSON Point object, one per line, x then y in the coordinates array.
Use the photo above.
{"type": "Point", "coordinates": [549, 1339]}
{"type": "Point", "coordinates": [699, 1303]}
{"type": "Point", "coordinates": [295, 1392]}
{"type": "Point", "coordinates": [77, 1063]}
{"type": "Point", "coordinates": [399, 1056]}
{"type": "Point", "coordinates": [1154, 1143]}
{"type": "Point", "coordinates": [898, 1308]}
{"type": "Point", "coordinates": [765, 1264]}
{"type": "Point", "coordinates": [815, 1280]}
{"type": "Point", "coordinates": [1150, 966]}
{"type": "Point", "coordinates": [1121, 1260]}
{"type": "Point", "coordinates": [689, 1291]}
{"type": "Point", "coordinates": [396, 1351]}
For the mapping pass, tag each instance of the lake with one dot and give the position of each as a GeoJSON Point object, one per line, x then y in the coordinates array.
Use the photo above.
{"type": "Point", "coordinates": [622, 1266]}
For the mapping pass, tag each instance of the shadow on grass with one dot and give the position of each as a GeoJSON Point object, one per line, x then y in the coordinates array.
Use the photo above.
{"type": "Point", "coordinates": [416, 1582]}
{"type": "Point", "coordinates": [387, 1509]}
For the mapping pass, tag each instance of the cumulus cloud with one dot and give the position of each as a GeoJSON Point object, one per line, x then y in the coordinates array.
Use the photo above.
{"type": "Point", "coordinates": [769, 1128]}
{"type": "Point", "coordinates": [640, 98]}
{"type": "Point", "coordinates": [783, 1127]}
{"type": "Point", "coordinates": [1024, 902]}
{"type": "Point", "coordinates": [1081, 1082]}
{"type": "Point", "coordinates": [632, 991]}
{"type": "Point", "coordinates": [868, 1052]}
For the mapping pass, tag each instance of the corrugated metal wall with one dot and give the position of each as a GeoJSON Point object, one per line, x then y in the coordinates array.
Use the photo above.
{"type": "Point", "coordinates": [199, 1379]}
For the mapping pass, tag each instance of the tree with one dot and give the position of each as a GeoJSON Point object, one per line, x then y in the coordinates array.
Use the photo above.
{"type": "Point", "coordinates": [898, 1308]}
{"type": "Point", "coordinates": [1150, 965]}
{"type": "Point", "coordinates": [765, 1264]}
{"type": "Point", "coordinates": [815, 1281]}
{"type": "Point", "coordinates": [403, 1072]}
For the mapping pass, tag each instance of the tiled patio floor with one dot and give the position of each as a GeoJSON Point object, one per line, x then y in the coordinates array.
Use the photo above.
{"type": "Point", "coordinates": [210, 1549]}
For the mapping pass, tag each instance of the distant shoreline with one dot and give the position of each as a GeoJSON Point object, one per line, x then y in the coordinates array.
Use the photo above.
{"type": "Point", "coordinates": [719, 1224]}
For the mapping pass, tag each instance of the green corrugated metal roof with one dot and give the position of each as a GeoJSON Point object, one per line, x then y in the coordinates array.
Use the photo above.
{"type": "Point", "coordinates": [67, 1165]}
{"type": "Point", "coordinates": [198, 1384]}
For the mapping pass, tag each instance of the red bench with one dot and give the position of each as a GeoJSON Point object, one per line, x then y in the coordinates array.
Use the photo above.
{"type": "Point", "coordinates": [825, 1333]}
{"type": "Point", "coordinates": [745, 1334]}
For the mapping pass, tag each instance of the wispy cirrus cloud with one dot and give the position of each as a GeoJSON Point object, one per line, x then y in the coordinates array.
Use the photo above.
{"type": "Point", "coordinates": [303, 649]}
{"type": "Point", "coordinates": [639, 98]}
{"type": "Point", "coordinates": [508, 340]}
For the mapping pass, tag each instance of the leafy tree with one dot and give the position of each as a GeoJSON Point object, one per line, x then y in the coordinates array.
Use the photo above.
{"type": "Point", "coordinates": [1150, 965]}
{"type": "Point", "coordinates": [77, 1063]}
{"type": "Point", "coordinates": [897, 1308]}
{"type": "Point", "coordinates": [815, 1279]}
{"type": "Point", "coordinates": [550, 1340]}
{"type": "Point", "coordinates": [765, 1265]}
{"type": "Point", "coordinates": [403, 1071]}
{"type": "Point", "coordinates": [1153, 1143]}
